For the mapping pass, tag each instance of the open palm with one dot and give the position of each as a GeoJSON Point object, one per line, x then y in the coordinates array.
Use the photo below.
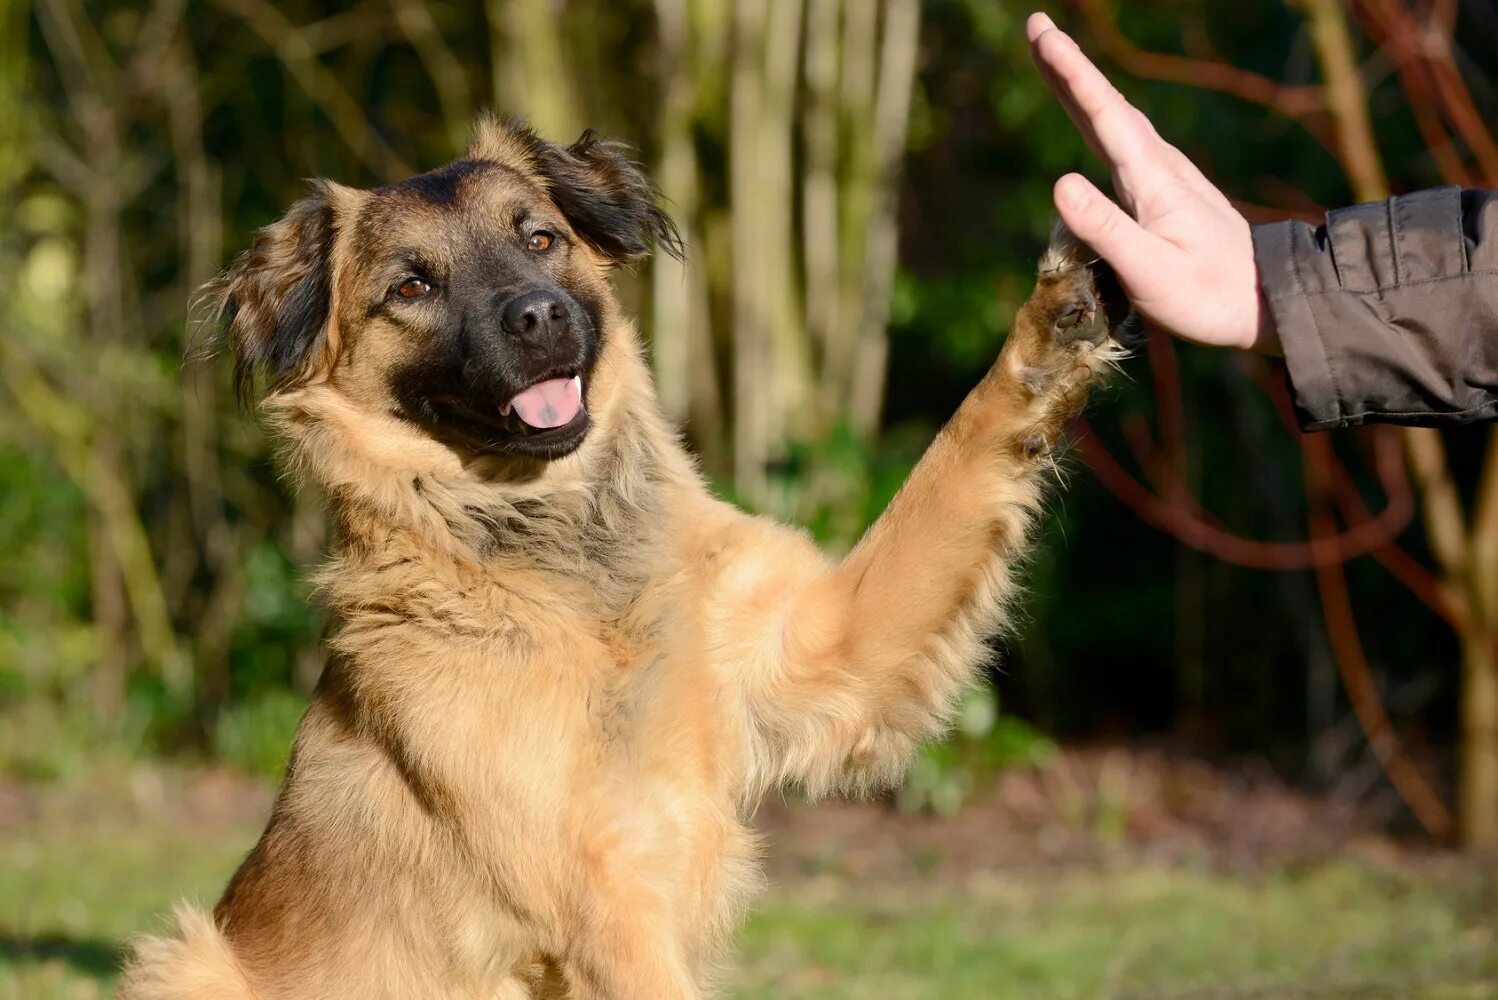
{"type": "Point", "coordinates": [1183, 253]}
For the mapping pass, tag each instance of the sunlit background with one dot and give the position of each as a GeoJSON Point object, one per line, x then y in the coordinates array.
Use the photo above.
{"type": "Point", "coordinates": [1245, 741]}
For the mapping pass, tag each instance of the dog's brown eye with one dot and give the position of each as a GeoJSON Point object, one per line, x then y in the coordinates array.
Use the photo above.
{"type": "Point", "coordinates": [414, 288]}
{"type": "Point", "coordinates": [540, 242]}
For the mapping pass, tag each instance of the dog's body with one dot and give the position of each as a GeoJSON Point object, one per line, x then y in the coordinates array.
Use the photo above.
{"type": "Point", "coordinates": [559, 683]}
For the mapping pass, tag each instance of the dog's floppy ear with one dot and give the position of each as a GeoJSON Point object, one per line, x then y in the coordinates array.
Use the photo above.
{"type": "Point", "coordinates": [276, 299]}
{"type": "Point", "coordinates": [607, 198]}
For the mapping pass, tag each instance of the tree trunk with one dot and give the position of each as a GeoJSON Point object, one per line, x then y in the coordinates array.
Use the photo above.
{"type": "Point", "coordinates": [670, 294]}
{"type": "Point", "coordinates": [531, 75]}
{"type": "Point", "coordinates": [897, 65]}
{"type": "Point", "coordinates": [819, 222]}
{"type": "Point", "coordinates": [1477, 789]}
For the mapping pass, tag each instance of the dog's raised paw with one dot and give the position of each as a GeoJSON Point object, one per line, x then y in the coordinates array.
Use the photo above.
{"type": "Point", "coordinates": [1080, 293]}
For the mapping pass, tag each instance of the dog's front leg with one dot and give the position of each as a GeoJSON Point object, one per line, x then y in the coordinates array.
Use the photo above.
{"type": "Point", "coordinates": [850, 667]}
{"type": "Point", "coordinates": [625, 956]}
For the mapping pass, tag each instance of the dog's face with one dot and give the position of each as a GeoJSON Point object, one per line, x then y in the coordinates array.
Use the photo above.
{"type": "Point", "coordinates": [471, 301]}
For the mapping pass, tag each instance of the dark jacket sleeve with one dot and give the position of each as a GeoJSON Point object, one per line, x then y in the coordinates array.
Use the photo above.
{"type": "Point", "coordinates": [1389, 312]}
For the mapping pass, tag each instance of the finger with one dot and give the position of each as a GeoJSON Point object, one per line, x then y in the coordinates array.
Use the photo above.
{"type": "Point", "coordinates": [1054, 82]}
{"type": "Point", "coordinates": [1125, 139]}
{"type": "Point", "coordinates": [1038, 24]}
{"type": "Point", "coordinates": [1132, 252]}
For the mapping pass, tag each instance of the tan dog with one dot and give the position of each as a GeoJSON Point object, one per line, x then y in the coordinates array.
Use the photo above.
{"type": "Point", "coordinates": [563, 674]}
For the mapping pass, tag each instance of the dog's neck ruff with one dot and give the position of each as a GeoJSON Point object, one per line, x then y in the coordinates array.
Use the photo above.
{"type": "Point", "coordinates": [588, 515]}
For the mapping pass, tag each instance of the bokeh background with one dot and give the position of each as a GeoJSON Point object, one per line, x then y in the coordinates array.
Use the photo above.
{"type": "Point", "coordinates": [1245, 741]}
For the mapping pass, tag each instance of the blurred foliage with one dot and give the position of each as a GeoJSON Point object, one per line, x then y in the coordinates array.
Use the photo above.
{"type": "Point", "coordinates": [254, 734]}
{"type": "Point", "coordinates": [946, 774]}
{"type": "Point", "coordinates": [145, 528]}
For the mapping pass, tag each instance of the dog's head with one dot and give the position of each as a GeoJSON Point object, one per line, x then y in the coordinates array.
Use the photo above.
{"type": "Point", "coordinates": [472, 301]}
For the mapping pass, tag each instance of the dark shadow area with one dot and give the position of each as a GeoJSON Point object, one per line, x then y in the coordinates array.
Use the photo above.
{"type": "Point", "coordinates": [91, 956]}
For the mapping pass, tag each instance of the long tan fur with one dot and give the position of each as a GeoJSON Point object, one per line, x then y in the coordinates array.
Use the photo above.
{"type": "Point", "coordinates": [556, 691]}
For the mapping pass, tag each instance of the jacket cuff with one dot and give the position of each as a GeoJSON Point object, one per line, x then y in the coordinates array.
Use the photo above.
{"type": "Point", "coordinates": [1313, 387]}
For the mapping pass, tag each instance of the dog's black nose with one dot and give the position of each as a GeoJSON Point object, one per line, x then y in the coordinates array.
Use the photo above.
{"type": "Point", "coordinates": [535, 318]}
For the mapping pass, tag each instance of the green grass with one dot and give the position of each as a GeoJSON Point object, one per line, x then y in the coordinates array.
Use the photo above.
{"type": "Point", "coordinates": [1337, 930]}
{"type": "Point", "coordinates": [79, 877]}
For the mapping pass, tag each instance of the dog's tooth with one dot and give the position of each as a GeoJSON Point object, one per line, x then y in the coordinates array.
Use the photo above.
{"type": "Point", "coordinates": [504, 409]}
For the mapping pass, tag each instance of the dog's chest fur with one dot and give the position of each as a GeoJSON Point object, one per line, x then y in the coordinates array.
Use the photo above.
{"type": "Point", "coordinates": [531, 687]}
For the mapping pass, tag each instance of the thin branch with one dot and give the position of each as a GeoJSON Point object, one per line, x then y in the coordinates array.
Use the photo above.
{"type": "Point", "coordinates": [445, 70]}
{"type": "Point", "coordinates": [344, 28]}
{"type": "Point", "coordinates": [1185, 521]}
{"type": "Point", "coordinates": [1416, 80]}
{"type": "Point", "coordinates": [1352, 662]}
{"type": "Point", "coordinates": [320, 84]}
{"type": "Point", "coordinates": [1346, 98]}
{"type": "Point", "coordinates": [1438, 595]}
{"type": "Point", "coordinates": [1431, 47]}
{"type": "Point", "coordinates": [1256, 213]}
{"type": "Point", "coordinates": [899, 48]}
{"type": "Point", "coordinates": [1301, 103]}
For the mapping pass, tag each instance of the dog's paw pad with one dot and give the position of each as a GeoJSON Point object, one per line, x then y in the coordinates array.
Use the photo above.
{"type": "Point", "coordinates": [1079, 291]}
{"type": "Point", "coordinates": [1078, 317]}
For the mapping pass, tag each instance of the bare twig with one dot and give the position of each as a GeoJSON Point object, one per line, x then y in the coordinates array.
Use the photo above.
{"type": "Point", "coordinates": [320, 84]}
{"type": "Point", "coordinates": [1185, 520]}
{"type": "Point", "coordinates": [1301, 103]}
{"type": "Point", "coordinates": [68, 429]}
{"type": "Point", "coordinates": [446, 72]}
{"type": "Point", "coordinates": [1352, 662]}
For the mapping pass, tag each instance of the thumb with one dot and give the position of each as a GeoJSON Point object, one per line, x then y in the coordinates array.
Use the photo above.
{"type": "Point", "coordinates": [1105, 227]}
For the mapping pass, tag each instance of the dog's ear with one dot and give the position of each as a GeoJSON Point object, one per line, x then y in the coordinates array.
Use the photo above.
{"type": "Point", "coordinates": [605, 195]}
{"type": "Point", "coordinates": [276, 300]}
{"type": "Point", "coordinates": [607, 198]}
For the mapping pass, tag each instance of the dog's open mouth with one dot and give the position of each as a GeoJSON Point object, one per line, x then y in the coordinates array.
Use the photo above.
{"type": "Point", "coordinates": [547, 419]}
{"type": "Point", "coordinates": [549, 404]}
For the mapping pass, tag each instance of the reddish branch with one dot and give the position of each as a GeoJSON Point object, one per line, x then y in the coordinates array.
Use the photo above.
{"type": "Point", "coordinates": [1439, 98]}
{"type": "Point", "coordinates": [1300, 103]}
{"type": "Point", "coordinates": [1443, 15]}
{"type": "Point", "coordinates": [1352, 662]}
{"type": "Point", "coordinates": [1430, 589]}
{"type": "Point", "coordinates": [1325, 552]}
{"type": "Point", "coordinates": [1185, 520]}
{"type": "Point", "coordinates": [1427, 88]}
{"type": "Point", "coordinates": [1256, 213]}
{"type": "Point", "coordinates": [1303, 104]}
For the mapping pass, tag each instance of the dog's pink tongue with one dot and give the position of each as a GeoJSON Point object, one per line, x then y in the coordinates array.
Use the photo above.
{"type": "Point", "coordinates": [552, 403]}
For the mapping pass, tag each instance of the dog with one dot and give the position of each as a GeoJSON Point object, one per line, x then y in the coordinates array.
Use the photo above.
{"type": "Point", "coordinates": [561, 673]}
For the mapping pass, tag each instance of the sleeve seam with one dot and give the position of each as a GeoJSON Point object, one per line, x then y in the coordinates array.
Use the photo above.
{"type": "Point", "coordinates": [1485, 272]}
{"type": "Point", "coordinates": [1331, 375]}
{"type": "Point", "coordinates": [1408, 414]}
{"type": "Point", "coordinates": [1393, 222]}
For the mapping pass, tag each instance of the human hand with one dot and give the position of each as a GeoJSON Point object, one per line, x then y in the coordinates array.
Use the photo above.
{"type": "Point", "coordinates": [1180, 249]}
